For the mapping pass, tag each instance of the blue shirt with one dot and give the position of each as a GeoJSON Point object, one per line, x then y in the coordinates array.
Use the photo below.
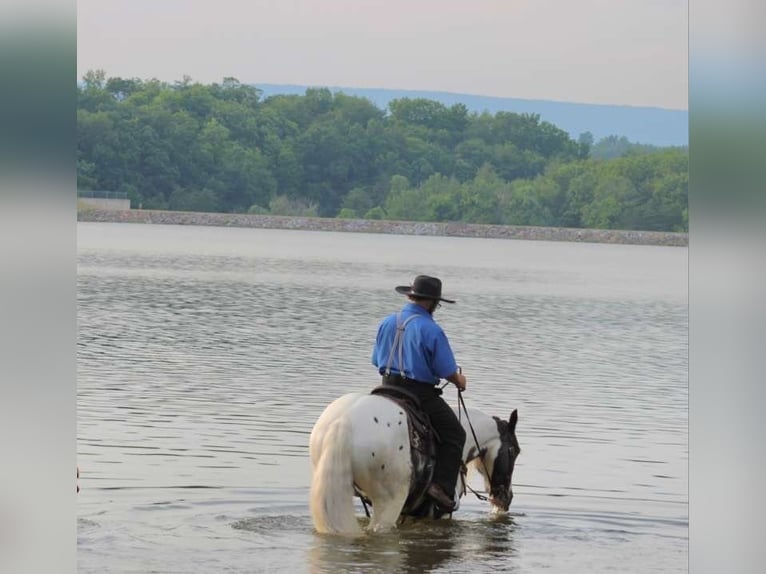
{"type": "Point", "coordinates": [426, 352]}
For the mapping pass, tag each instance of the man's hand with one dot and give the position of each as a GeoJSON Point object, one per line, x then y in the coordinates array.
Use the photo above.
{"type": "Point", "coordinates": [458, 379]}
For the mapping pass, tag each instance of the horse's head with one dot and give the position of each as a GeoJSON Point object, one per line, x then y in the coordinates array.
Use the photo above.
{"type": "Point", "coordinates": [501, 462]}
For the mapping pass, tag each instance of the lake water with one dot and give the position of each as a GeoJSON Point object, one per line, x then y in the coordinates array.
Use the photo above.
{"type": "Point", "coordinates": [206, 354]}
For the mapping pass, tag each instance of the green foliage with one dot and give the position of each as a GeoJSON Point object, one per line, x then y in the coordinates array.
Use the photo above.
{"type": "Point", "coordinates": [358, 200]}
{"type": "Point", "coordinates": [613, 146]}
{"type": "Point", "coordinates": [256, 209]}
{"type": "Point", "coordinates": [221, 147]}
{"type": "Point", "coordinates": [584, 144]}
{"type": "Point", "coordinates": [198, 200]}
{"type": "Point", "coordinates": [282, 205]}
{"type": "Point", "coordinates": [482, 196]}
{"type": "Point", "coordinates": [605, 210]}
{"type": "Point", "coordinates": [86, 174]}
{"type": "Point", "coordinates": [406, 203]}
{"type": "Point", "coordinates": [526, 205]}
{"type": "Point", "coordinates": [347, 213]}
{"type": "Point", "coordinates": [375, 213]}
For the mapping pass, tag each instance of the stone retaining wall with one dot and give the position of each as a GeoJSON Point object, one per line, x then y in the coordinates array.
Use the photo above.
{"type": "Point", "coordinates": [395, 227]}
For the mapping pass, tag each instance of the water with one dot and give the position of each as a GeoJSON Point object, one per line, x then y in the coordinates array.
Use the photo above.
{"type": "Point", "coordinates": [206, 354]}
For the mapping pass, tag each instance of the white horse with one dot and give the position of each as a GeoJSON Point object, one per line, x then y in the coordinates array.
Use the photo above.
{"type": "Point", "coordinates": [362, 440]}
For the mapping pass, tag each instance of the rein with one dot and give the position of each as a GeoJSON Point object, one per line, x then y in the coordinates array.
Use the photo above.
{"type": "Point", "coordinates": [464, 469]}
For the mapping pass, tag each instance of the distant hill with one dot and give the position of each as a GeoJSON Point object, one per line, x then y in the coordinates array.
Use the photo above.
{"type": "Point", "coordinates": [646, 125]}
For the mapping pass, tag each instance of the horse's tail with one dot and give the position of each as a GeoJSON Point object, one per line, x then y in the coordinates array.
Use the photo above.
{"type": "Point", "coordinates": [332, 485]}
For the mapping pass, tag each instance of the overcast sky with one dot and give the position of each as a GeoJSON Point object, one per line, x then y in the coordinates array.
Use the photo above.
{"type": "Point", "coordinates": [631, 52]}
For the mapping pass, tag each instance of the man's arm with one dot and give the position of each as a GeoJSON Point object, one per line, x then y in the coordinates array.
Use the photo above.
{"type": "Point", "coordinates": [458, 379]}
{"type": "Point", "coordinates": [444, 360]}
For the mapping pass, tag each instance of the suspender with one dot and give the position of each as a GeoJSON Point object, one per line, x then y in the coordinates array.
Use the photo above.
{"type": "Point", "coordinates": [398, 344]}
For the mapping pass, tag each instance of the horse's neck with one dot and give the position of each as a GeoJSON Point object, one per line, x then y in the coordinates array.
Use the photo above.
{"type": "Point", "coordinates": [484, 427]}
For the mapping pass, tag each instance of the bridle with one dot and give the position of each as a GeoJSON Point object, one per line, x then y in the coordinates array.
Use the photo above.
{"type": "Point", "coordinates": [481, 454]}
{"type": "Point", "coordinates": [481, 451]}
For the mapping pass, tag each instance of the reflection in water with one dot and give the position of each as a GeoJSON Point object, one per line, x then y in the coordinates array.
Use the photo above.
{"type": "Point", "coordinates": [406, 550]}
{"type": "Point", "coordinates": [421, 546]}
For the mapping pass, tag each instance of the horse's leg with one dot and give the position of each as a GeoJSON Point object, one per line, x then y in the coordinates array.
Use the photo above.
{"type": "Point", "coordinates": [388, 484]}
{"type": "Point", "coordinates": [387, 505]}
{"type": "Point", "coordinates": [382, 464]}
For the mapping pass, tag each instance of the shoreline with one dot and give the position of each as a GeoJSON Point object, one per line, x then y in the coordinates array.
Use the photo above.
{"type": "Point", "coordinates": [447, 229]}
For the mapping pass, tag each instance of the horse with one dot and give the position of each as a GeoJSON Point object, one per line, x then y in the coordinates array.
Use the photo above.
{"type": "Point", "coordinates": [360, 446]}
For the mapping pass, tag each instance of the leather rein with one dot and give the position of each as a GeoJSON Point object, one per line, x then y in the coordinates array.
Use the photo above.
{"type": "Point", "coordinates": [481, 451]}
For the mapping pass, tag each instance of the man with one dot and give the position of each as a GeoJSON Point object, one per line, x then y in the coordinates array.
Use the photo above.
{"type": "Point", "coordinates": [412, 351]}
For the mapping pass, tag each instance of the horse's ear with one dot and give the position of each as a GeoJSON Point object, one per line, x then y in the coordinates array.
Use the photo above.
{"type": "Point", "coordinates": [513, 420]}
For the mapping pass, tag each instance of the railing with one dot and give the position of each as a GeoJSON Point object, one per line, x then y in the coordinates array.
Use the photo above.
{"type": "Point", "coordinates": [103, 194]}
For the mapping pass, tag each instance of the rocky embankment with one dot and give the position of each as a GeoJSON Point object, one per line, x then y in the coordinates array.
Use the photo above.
{"type": "Point", "coordinates": [396, 227]}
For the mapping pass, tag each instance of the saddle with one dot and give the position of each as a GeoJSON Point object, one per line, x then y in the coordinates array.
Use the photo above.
{"type": "Point", "coordinates": [423, 439]}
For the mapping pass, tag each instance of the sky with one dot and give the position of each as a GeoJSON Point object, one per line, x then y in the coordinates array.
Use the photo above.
{"type": "Point", "coordinates": [623, 52]}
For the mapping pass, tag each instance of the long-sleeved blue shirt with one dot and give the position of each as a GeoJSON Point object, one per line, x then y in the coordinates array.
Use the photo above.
{"type": "Point", "coordinates": [426, 353]}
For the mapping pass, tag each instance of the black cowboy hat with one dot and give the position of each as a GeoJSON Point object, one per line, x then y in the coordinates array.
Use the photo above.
{"type": "Point", "coordinates": [425, 287]}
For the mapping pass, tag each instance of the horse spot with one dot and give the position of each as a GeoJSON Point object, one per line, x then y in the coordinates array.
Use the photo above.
{"type": "Point", "coordinates": [400, 422]}
{"type": "Point", "coordinates": [382, 467]}
{"type": "Point", "coordinates": [401, 446]}
{"type": "Point", "coordinates": [376, 419]}
{"type": "Point", "coordinates": [388, 424]}
{"type": "Point", "coordinates": [373, 454]}
{"type": "Point", "coordinates": [401, 413]}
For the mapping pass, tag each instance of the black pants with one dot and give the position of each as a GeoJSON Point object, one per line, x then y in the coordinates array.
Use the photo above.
{"type": "Point", "coordinates": [450, 451]}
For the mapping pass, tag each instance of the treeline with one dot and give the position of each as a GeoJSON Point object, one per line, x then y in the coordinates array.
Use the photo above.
{"type": "Point", "coordinates": [617, 146]}
{"type": "Point", "coordinates": [221, 147]}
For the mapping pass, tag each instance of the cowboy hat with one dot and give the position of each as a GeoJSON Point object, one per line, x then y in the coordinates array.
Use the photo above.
{"type": "Point", "coordinates": [425, 287]}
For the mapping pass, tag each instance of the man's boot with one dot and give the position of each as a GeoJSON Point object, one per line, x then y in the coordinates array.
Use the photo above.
{"type": "Point", "coordinates": [436, 492]}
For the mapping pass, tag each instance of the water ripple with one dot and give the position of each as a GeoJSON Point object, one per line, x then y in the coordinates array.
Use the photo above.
{"type": "Point", "coordinates": [207, 370]}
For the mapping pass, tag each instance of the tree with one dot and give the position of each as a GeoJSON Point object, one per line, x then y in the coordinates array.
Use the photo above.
{"type": "Point", "coordinates": [120, 88]}
{"type": "Point", "coordinates": [347, 213]}
{"type": "Point", "coordinates": [614, 146]}
{"type": "Point", "coordinates": [288, 171]}
{"type": "Point", "coordinates": [245, 179]}
{"type": "Point", "coordinates": [92, 95]}
{"type": "Point", "coordinates": [405, 203]}
{"type": "Point", "coordinates": [358, 200]}
{"type": "Point", "coordinates": [608, 199]}
{"type": "Point", "coordinates": [525, 206]}
{"type": "Point", "coordinates": [578, 194]}
{"type": "Point", "coordinates": [282, 205]}
{"type": "Point", "coordinates": [470, 155]}
{"type": "Point", "coordinates": [419, 111]}
{"type": "Point", "coordinates": [86, 175]}
{"type": "Point", "coordinates": [443, 197]}
{"type": "Point", "coordinates": [584, 144]}
{"type": "Point", "coordinates": [203, 200]}
{"type": "Point", "coordinates": [481, 199]}
{"type": "Point", "coordinates": [376, 212]}
{"type": "Point", "coordinates": [355, 110]}
{"type": "Point", "coordinates": [187, 145]}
